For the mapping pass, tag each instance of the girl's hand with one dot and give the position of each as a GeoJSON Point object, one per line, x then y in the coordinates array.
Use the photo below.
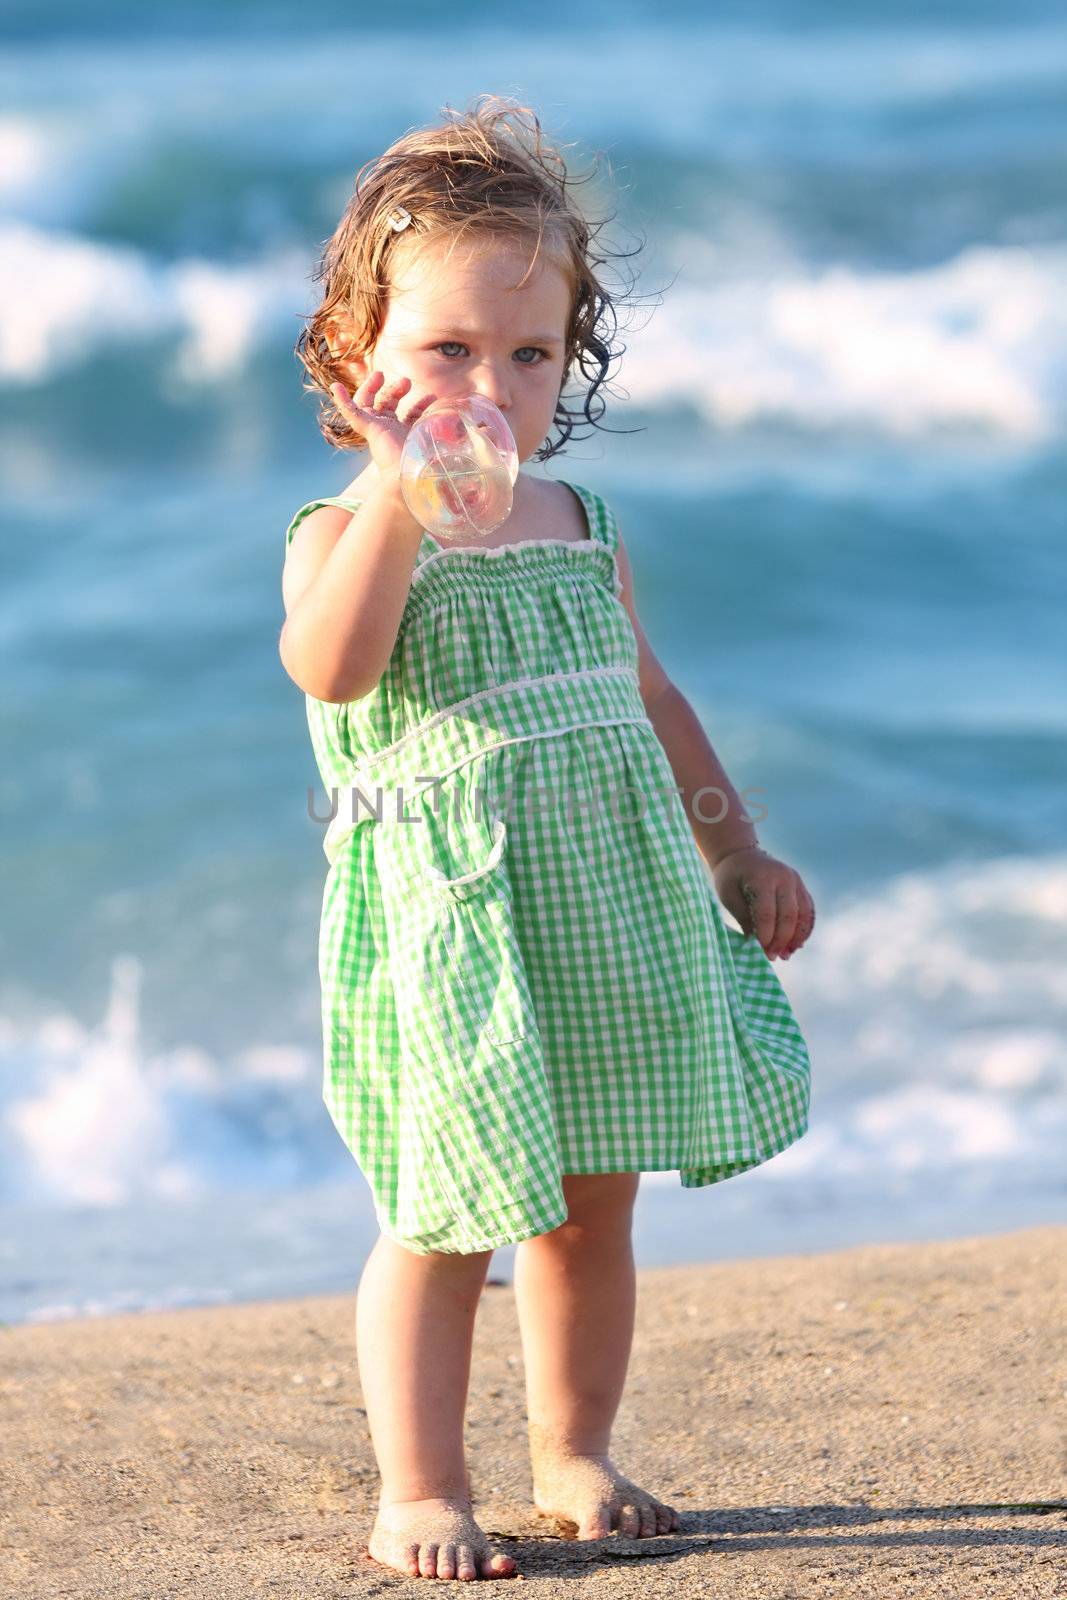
{"type": "Point", "coordinates": [373, 410]}
{"type": "Point", "coordinates": [767, 897]}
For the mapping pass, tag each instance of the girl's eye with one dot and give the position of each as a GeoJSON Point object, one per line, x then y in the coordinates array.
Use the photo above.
{"type": "Point", "coordinates": [449, 346]}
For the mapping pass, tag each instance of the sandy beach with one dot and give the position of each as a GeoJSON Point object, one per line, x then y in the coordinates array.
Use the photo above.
{"type": "Point", "coordinates": [887, 1420]}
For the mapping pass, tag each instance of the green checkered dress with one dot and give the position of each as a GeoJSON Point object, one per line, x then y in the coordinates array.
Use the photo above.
{"type": "Point", "coordinates": [525, 971]}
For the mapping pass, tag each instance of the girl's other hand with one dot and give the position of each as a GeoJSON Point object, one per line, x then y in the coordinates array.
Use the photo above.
{"type": "Point", "coordinates": [767, 897]}
{"type": "Point", "coordinates": [373, 409]}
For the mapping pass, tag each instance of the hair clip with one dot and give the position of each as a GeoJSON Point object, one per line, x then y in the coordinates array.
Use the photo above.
{"type": "Point", "coordinates": [398, 219]}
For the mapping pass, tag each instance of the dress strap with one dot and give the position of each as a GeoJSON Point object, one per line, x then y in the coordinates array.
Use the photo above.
{"type": "Point", "coordinates": [599, 516]}
{"type": "Point", "coordinates": [306, 510]}
{"type": "Point", "coordinates": [426, 546]}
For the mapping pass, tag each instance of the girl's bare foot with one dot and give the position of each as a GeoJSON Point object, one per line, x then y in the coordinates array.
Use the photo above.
{"type": "Point", "coordinates": [436, 1538]}
{"type": "Point", "coordinates": [590, 1491]}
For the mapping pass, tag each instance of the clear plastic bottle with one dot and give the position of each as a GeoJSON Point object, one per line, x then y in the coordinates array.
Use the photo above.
{"type": "Point", "coordinates": [458, 468]}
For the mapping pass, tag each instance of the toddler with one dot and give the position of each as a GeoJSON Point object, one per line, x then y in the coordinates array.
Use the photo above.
{"type": "Point", "coordinates": [529, 993]}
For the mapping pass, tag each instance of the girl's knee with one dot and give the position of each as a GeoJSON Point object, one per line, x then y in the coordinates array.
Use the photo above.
{"type": "Point", "coordinates": [599, 1201]}
{"type": "Point", "coordinates": [443, 1263]}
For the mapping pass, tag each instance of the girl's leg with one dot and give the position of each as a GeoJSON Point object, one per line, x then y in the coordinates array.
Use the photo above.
{"type": "Point", "coordinates": [414, 1326]}
{"type": "Point", "coordinates": [575, 1289]}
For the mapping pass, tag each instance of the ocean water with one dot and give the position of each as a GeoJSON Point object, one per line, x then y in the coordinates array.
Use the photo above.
{"type": "Point", "coordinates": [843, 501]}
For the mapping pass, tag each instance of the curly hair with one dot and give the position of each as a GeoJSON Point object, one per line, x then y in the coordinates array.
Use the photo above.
{"type": "Point", "coordinates": [488, 171]}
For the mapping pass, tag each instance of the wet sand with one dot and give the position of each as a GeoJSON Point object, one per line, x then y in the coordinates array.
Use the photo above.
{"type": "Point", "coordinates": [884, 1420]}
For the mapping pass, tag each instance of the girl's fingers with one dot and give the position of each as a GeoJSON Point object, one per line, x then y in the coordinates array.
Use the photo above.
{"type": "Point", "coordinates": [364, 395]}
{"type": "Point", "coordinates": [387, 397]}
{"type": "Point", "coordinates": [347, 402]}
{"type": "Point", "coordinates": [760, 912]}
{"type": "Point", "coordinates": [374, 395]}
{"type": "Point", "coordinates": [376, 398]}
{"type": "Point", "coordinates": [805, 923]}
{"type": "Point", "coordinates": [785, 897]}
{"type": "Point", "coordinates": [773, 911]}
{"type": "Point", "coordinates": [375, 384]}
{"type": "Point", "coordinates": [414, 412]}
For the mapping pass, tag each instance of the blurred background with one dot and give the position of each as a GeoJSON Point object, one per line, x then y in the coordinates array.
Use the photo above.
{"type": "Point", "coordinates": [845, 513]}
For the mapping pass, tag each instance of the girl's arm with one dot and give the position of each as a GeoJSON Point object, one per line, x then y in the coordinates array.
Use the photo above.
{"type": "Point", "coordinates": [768, 898]}
{"type": "Point", "coordinates": [693, 761]}
{"type": "Point", "coordinates": [345, 582]}
{"type": "Point", "coordinates": [696, 767]}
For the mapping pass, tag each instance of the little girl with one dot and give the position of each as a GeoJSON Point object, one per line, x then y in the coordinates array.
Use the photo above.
{"type": "Point", "coordinates": [529, 994]}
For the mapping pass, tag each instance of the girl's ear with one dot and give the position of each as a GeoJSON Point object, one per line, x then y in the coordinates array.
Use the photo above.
{"type": "Point", "coordinates": [353, 369]}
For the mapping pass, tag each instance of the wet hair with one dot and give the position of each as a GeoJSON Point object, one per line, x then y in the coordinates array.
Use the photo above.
{"type": "Point", "coordinates": [485, 172]}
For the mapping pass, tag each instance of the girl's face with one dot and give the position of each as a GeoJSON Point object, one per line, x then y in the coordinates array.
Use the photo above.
{"type": "Point", "coordinates": [460, 326]}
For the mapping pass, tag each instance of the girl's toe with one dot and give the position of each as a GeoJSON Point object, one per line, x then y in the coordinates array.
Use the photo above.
{"type": "Point", "coordinates": [446, 1561]}
{"type": "Point", "coordinates": [428, 1560]}
{"type": "Point", "coordinates": [599, 1524]}
{"type": "Point", "coordinates": [498, 1566]}
{"type": "Point", "coordinates": [630, 1522]}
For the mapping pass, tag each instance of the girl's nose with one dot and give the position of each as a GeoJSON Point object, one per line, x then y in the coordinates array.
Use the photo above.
{"type": "Point", "coordinates": [495, 388]}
